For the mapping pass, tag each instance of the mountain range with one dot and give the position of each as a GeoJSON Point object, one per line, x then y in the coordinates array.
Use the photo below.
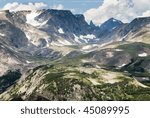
{"type": "Point", "coordinates": [56, 55]}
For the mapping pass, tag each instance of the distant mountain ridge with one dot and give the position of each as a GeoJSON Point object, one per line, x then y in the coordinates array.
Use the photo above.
{"type": "Point", "coordinates": [40, 32]}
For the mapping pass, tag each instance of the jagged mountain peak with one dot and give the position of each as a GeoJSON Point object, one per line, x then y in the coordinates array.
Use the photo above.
{"type": "Point", "coordinates": [92, 24]}
{"type": "Point", "coordinates": [114, 20]}
{"type": "Point", "coordinates": [111, 24]}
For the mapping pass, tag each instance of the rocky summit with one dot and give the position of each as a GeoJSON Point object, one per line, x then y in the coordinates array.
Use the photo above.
{"type": "Point", "coordinates": [56, 55]}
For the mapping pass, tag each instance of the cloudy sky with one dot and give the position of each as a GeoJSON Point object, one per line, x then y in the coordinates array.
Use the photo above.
{"type": "Point", "coordinates": [79, 6]}
{"type": "Point", "coordinates": [96, 10]}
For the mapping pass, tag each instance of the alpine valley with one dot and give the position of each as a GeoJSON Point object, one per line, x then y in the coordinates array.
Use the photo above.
{"type": "Point", "coordinates": [56, 55]}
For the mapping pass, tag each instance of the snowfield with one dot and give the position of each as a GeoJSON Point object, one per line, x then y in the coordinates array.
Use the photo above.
{"type": "Point", "coordinates": [143, 54]}
{"type": "Point", "coordinates": [118, 50]}
{"type": "Point", "coordinates": [76, 38]}
{"type": "Point", "coordinates": [1, 34]}
{"type": "Point", "coordinates": [122, 65]}
{"type": "Point", "coordinates": [31, 19]}
{"type": "Point", "coordinates": [60, 30]}
{"type": "Point", "coordinates": [88, 36]}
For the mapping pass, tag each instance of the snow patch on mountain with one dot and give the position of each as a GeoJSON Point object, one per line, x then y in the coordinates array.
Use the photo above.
{"type": "Point", "coordinates": [143, 54]}
{"type": "Point", "coordinates": [1, 34]}
{"type": "Point", "coordinates": [122, 65]}
{"type": "Point", "coordinates": [114, 20]}
{"type": "Point", "coordinates": [76, 38]}
{"type": "Point", "coordinates": [64, 42]}
{"type": "Point", "coordinates": [28, 62]}
{"type": "Point", "coordinates": [113, 28]}
{"type": "Point", "coordinates": [118, 50]}
{"type": "Point", "coordinates": [32, 21]}
{"type": "Point", "coordinates": [43, 23]}
{"type": "Point", "coordinates": [27, 35]}
{"type": "Point", "coordinates": [61, 31]}
{"type": "Point", "coordinates": [88, 36]}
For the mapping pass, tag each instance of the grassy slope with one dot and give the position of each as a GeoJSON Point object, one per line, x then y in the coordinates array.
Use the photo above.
{"type": "Point", "coordinates": [74, 83]}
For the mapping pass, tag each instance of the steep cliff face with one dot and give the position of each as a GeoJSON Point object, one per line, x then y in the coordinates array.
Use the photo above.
{"type": "Point", "coordinates": [15, 37]}
{"type": "Point", "coordinates": [64, 19]}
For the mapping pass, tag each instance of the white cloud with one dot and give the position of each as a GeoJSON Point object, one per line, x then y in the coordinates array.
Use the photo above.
{"type": "Point", "coordinates": [146, 13]}
{"type": "Point", "coordinates": [58, 7]}
{"type": "Point", "coordinates": [125, 10]}
{"type": "Point", "coordinates": [15, 6]}
{"type": "Point", "coordinates": [73, 10]}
